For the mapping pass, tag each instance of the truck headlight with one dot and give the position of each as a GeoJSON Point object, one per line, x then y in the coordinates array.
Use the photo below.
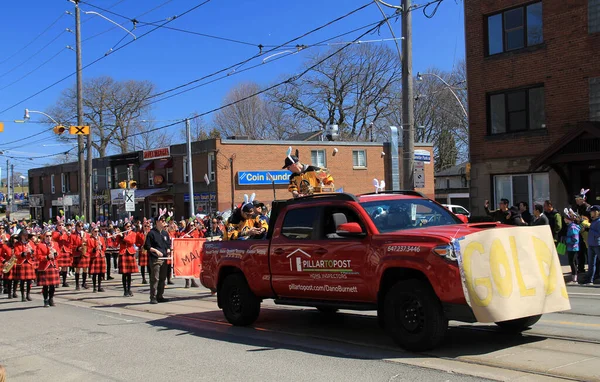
{"type": "Point", "coordinates": [445, 251]}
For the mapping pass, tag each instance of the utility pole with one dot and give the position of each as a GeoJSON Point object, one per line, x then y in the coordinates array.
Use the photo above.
{"type": "Point", "coordinates": [408, 122]}
{"type": "Point", "coordinates": [90, 156]}
{"type": "Point", "coordinates": [232, 182]}
{"type": "Point", "coordinates": [188, 135]}
{"type": "Point", "coordinates": [80, 147]}
{"type": "Point", "coordinates": [7, 191]}
{"type": "Point", "coordinates": [129, 177]}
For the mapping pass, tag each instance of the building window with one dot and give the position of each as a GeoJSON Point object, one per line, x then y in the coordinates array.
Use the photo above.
{"type": "Point", "coordinates": [595, 94]}
{"type": "Point", "coordinates": [108, 178]}
{"type": "Point", "coordinates": [95, 179]}
{"type": "Point", "coordinates": [317, 158]}
{"type": "Point", "coordinates": [447, 183]}
{"type": "Point", "coordinates": [68, 181]}
{"type": "Point", "coordinates": [169, 175]}
{"type": "Point", "coordinates": [211, 166]}
{"type": "Point", "coordinates": [359, 158]}
{"type": "Point", "coordinates": [186, 175]}
{"type": "Point", "coordinates": [52, 189]}
{"type": "Point", "coordinates": [63, 183]}
{"type": "Point", "coordinates": [515, 28]}
{"type": "Point", "coordinates": [116, 175]}
{"type": "Point", "coordinates": [516, 110]}
{"type": "Point", "coordinates": [41, 184]}
{"type": "Point", "coordinates": [150, 178]}
{"type": "Point", "coordinates": [593, 16]}
{"type": "Point", "coordinates": [531, 188]}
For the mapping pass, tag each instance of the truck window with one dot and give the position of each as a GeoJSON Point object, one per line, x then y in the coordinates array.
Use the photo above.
{"type": "Point", "coordinates": [299, 223]}
{"type": "Point", "coordinates": [334, 216]}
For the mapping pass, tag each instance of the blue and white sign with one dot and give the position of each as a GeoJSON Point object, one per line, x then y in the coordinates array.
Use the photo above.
{"type": "Point", "coordinates": [253, 178]}
{"type": "Point", "coordinates": [423, 156]}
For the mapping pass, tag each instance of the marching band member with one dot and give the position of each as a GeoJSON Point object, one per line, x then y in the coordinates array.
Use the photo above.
{"type": "Point", "coordinates": [11, 276]}
{"type": "Point", "coordinates": [5, 256]}
{"type": "Point", "coordinates": [48, 277]}
{"type": "Point", "coordinates": [127, 264]}
{"type": "Point", "coordinates": [140, 239]}
{"type": "Point", "coordinates": [3, 239]}
{"type": "Point", "coordinates": [112, 249]}
{"type": "Point", "coordinates": [81, 259]}
{"type": "Point", "coordinates": [25, 271]}
{"type": "Point", "coordinates": [65, 259]}
{"type": "Point", "coordinates": [97, 246]}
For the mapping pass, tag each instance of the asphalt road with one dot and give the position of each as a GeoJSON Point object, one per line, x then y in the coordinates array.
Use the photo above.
{"type": "Point", "coordinates": [108, 337]}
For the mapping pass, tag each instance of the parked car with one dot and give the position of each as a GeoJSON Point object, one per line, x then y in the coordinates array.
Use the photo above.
{"type": "Point", "coordinates": [390, 252]}
{"type": "Point", "coordinates": [457, 209]}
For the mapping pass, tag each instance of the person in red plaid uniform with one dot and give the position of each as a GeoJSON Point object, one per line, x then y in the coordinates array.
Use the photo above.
{"type": "Point", "coordinates": [97, 246]}
{"type": "Point", "coordinates": [112, 249]}
{"type": "Point", "coordinates": [5, 255]}
{"type": "Point", "coordinates": [127, 264]}
{"type": "Point", "coordinates": [140, 239]}
{"type": "Point", "coordinates": [65, 259]}
{"type": "Point", "coordinates": [48, 278]}
{"type": "Point", "coordinates": [4, 282]}
{"type": "Point", "coordinates": [25, 270]}
{"type": "Point", "coordinates": [81, 256]}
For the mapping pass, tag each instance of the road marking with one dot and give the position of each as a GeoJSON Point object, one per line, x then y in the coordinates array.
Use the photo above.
{"type": "Point", "coordinates": [572, 323]}
{"type": "Point", "coordinates": [585, 294]}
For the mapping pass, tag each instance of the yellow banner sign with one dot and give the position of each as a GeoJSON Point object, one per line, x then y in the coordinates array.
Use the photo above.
{"type": "Point", "coordinates": [510, 273]}
{"type": "Point", "coordinates": [79, 130]}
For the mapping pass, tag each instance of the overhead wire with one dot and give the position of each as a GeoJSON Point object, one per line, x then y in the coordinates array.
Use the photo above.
{"type": "Point", "coordinates": [99, 59]}
{"type": "Point", "coordinates": [33, 70]}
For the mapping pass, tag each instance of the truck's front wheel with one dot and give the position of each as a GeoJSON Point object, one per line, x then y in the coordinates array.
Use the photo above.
{"type": "Point", "coordinates": [414, 316]}
{"type": "Point", "coordinates": [240, 306]}
{"type": "Point", "coordinates": [519, 324]}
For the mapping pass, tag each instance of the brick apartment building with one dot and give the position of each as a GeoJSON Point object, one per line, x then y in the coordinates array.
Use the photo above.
{"type": "Point", "coordinates": [533, 69]}
{"type": "Point", "coordinates": [234, 167]}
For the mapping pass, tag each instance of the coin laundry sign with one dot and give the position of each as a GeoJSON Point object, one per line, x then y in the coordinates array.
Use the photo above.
{"type": "Point", "coordinates": [251, 178]}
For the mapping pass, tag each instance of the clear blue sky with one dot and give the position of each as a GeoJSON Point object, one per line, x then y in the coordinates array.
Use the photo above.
{"type": "Point", "coordinates": [170, 58]}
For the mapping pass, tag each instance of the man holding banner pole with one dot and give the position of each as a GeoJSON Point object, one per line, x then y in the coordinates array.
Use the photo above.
{"type": "Point", "coordinates": [158, 245]}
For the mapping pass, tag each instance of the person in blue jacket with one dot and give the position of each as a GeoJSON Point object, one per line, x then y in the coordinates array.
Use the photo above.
{"type": "Point", "coordinates": [593, 244]}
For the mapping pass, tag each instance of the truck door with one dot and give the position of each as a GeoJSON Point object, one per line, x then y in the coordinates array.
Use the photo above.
{"type": "Point", "coordinates": [310, 261]}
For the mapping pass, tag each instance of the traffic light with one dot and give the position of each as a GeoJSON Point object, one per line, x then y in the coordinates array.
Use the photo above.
{"type": "Point", "coordinates": [132, 184]}
{"type": "Point", "coordinates": [123, 184]}
{"type": "Point", "coordinates": [59, 129]}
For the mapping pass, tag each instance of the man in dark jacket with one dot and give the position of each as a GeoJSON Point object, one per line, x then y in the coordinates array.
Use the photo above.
{"type": "Point", "coordinates": [525, 214]}
{"type": "Point", "coordinates": [500, 214]}
{"type": "Point", "coordinates": [538, 216]}
{"type": "Point", "coordinates": [554, 218]}
{"type": "Point", "coordinates": [158, 245]}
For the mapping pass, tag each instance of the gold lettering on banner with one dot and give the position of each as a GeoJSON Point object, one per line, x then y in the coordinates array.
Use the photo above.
{"type": "Point", "coordinates": [498, 263]}
{"type": "Point", "coordinates": [481, 281]}
{"type": "Point", "coordinates": [544, 258]}
{"type": "Point", "coordinates": [523, 290]}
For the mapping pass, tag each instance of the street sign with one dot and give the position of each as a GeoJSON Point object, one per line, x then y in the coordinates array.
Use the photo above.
{"type": "Point", "coordinates": [129, 196]}
{"type": "Point", "coordinates": [419, 175]}
{"type": "Point", "coordinates": [79, 130]}
{"type": "Point", "coordinates": [1, 127]}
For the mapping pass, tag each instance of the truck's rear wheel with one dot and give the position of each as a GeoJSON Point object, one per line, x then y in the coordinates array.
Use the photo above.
{"type": "Point", "coordinates": [518, 324]}
{"type": "Point", "coordinates": [240, 306]}
{"type": "Point", "coordinates": [414, 316]}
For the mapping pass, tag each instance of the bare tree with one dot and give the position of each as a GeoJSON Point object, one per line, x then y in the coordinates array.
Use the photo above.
{"type": "Point", "coordinates": [199, 130]}
{"type": "Point", "coordinates": [243, 117]}
{"type": "Point", "coordinates": [111, 108]}
{"type": "Point", "coordinates": [143, 138]}
{"type": "Point", "coordinates": [352, 89]}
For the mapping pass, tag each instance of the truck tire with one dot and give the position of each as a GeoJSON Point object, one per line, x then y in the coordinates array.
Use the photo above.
{"type": "Point", "coordinates": [518, 324]}
{"type": "Point", "coordinates": [240, 306]}
{"type": "Point", "coordinates": [414, 316]}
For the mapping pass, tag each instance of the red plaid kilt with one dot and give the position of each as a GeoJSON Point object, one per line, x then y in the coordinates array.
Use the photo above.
{"type": "Point", "coordinates": [143, 258]}
{"type": "Point", "coordinates": [24, 271]}
{"type": "Point", "coordinates": [97, 265]}
{"type": "Point", "coordinates": [64, 260]}
{"type": "Point", "coordinates": [49, 277]}
{"type": "Point", "coordinates": [127, 264]}
{"type": "Point", "coordinates": [10, 275]}
{"type": "Point", "coordinates": [81, 262]}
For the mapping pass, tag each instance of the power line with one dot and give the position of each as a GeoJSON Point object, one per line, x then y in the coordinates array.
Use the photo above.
{"type": "Point", "coordinates": [98, 59]}
{"type": "Point", "coordinates": [33, 40]}
{"type": "Point", "coordinates": [34, 70]}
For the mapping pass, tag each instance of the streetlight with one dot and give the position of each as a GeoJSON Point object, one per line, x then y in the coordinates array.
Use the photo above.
{"type": "Point", "coordinates": [58, 128]}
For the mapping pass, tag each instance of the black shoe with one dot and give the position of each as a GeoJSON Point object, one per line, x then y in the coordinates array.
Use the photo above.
{"type": "Point", "coordinates": [15, 295]}
{"type": "Point", "coordinates": [194, 285]}
{"type": "Point", "coordinates": [28, 298]}
{"type": "Point", "coordinates": [85, 286]}
{"type": "Point", "coordinates": [51, 302]}
{"type": "Point", "coordinates": [130, 294]}
{"type": "Point", "coordinates": [10, 295]}
{"type": "Point", "coordinates": [153, 301]}
{"type": "Point", "coordinates": [95, 290]}
{"type": "Point", "coordinates": [110, 278]}
{"type": "Point", "coordinates": [162, 299]}
{"type": "Point", "coordinates": [23, 299]}
{"type": "Point", "coordinates": [170, 283]}
{"type": "Point", "coordinates": [187, 284]}
{"type": "Point", "coordinates": [46, 304]}
{"type": "Point", "coordinates": [100, 289]}
{"type": "Point", "coordinates": [125, 294]}
{"type": "Point", "coordinates": [65, 285]}
{"type": "Point", "coordinates": [144, 281]}
{"type": "Point", "coordinates": [77, 287]}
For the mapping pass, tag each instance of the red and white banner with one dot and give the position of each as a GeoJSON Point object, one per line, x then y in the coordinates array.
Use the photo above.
{"type": "Point", "coordinates": [187, 257]}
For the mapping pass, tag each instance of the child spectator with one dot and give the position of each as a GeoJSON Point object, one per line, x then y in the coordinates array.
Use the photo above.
{"type": "Point", "coordinates": [572, 241]}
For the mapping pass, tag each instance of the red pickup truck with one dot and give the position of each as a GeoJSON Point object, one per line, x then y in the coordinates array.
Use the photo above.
{"type": "Point", "coordinates": [390, 252]}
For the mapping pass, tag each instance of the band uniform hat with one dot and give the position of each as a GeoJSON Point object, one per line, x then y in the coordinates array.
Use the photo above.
{"type": "Point", "coordinates": [290, 160]}
{"type": "Point", "coordinates": [595, 207]}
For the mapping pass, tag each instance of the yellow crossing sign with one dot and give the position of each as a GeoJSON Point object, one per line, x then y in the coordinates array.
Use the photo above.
{"type": "Point", "coordinates": [79, 130]}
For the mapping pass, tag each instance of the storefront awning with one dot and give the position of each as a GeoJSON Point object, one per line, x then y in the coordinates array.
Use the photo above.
{"type": "Point", "coordinates": [147, 166]}
{"type": "Point", "coordinates": [163, 163]}
{"type": "Point", "coordinates": [140, 195]}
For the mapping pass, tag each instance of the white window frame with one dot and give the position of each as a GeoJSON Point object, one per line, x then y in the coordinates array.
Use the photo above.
{"type": "Point", "coordinates": [95, 179]}
{"type": "Point", "coordinates": [316, 154]}
{"type": "Point", "coordinates": [357, 164]}
{"type": "Point", "coordinates": [52, 189]}
{"type": "Point", "coordinates": [186, 175]}
{"type": "Point", "coordinates": [108, 178]}
{"type": "Point", "coordinates": [532, 202]}
{"type": "Point", "coordinates": [150, 178]}
{"type": "Point", "coordinates": [63, 183]}
{"type": "Point", "coordinates": [211, 166]}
